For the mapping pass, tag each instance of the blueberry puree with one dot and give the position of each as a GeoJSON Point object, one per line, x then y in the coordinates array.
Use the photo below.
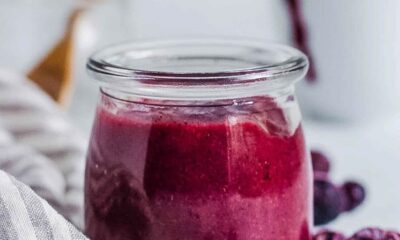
{"type": "Point", "coordinates": [207, 173]}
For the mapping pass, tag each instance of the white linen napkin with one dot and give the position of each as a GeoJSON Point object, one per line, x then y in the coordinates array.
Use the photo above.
{"type": "Point", "coordinates": [26, 216]}
{"type": "Point", "coordinates": [39, 148]}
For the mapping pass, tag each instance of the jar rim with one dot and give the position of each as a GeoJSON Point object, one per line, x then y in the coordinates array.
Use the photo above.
{"type": "Point", "coordinates": [197, 68]}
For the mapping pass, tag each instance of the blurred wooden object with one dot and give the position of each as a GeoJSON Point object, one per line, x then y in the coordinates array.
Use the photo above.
{"type": "Point", "coordinates": [54, 72]}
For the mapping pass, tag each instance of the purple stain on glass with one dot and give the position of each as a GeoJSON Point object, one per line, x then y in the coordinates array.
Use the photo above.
{"type": "Point", "coordinates": [300, 35]}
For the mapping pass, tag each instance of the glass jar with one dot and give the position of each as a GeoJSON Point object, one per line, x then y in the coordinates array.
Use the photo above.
{"type": "Point", "coordinates": [198, 139]}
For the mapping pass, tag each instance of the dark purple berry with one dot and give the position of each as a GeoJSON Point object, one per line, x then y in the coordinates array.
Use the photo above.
{"type": "Point", "coordinates": [320, 162]}
{"type": "Point", "coordinates": [327, 201]}
{"type": "Point", "coordinates": [369, 234]}
{"type": "Point", "coordinates": [321, 175]}
{"type": "Point", "coordinates": [328, 235]}
{"type": "Point", "coordinates": [353, 195]}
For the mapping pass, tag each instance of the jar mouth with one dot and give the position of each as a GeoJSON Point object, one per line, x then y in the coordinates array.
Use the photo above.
{"type": "Point", "coordinates": [197, 68]}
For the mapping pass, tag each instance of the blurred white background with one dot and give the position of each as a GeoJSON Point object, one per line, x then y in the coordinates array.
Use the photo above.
{"type": "Point", "coordinates": [352, 112]}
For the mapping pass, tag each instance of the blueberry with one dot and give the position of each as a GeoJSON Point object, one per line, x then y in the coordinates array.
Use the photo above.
{"type": "Point", "coordinates": [390, 235]}
{"type": "Point", "coordinates": [369, 234]}
{"type": "Point", "coordinates": [321, 175]}
{"type": "Point", "coordinates": [327, 201]}
{"type": "Point", "coordinates": [328, 235]}
{"type": "Point", "coordinates": [320, 162]}
{"type": "Point", "coordinates": [353, 195]}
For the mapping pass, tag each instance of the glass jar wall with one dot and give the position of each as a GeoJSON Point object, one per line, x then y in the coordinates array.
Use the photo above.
{"type": "Point", "coordinates": [198, 139]}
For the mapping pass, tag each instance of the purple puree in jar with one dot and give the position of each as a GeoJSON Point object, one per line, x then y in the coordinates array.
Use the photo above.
{"type": "Point", "coordinates": [233, 172]}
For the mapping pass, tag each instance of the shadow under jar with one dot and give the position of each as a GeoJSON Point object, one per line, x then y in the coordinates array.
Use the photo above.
{"type": "Point", "coordinates": [198, 139]}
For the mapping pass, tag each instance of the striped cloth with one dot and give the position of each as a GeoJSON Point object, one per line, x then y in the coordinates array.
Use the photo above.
{"type": "Point", "coordinates": [26, 216]}
{"type": "Point", "coordinates": [46, 156]}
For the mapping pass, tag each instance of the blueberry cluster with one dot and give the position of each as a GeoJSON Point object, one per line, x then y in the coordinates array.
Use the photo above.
{"type": "Point", "coordinates": [364, 234]}
{"type": "Point", "coordinates": [330, 200]}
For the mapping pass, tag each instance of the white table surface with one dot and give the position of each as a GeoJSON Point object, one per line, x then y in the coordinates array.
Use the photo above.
{"type": "Point", "coordinates": [367, 152]}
